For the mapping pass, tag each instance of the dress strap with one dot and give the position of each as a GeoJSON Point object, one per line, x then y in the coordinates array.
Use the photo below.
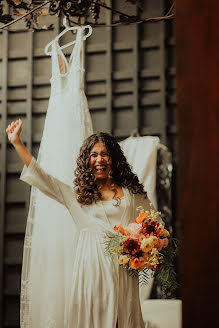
{"type": "Point", "coordinates": [55, 62]}
{"type": "Point", "coordinates": [76, 60]}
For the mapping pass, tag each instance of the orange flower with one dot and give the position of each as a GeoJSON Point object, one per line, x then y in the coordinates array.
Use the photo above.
{"type": "Point", "coordinates": [134, 263]}
{"type": "Point", "coordinates": [120, 228]}
{"type": "Point", "coordinates": [141, 217]}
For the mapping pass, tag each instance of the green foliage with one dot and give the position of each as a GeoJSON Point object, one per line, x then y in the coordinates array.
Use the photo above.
{"type": "Point", "coordinates": [166, 274]}
{"type": "Point", "coordinates": [143, 277]}
{"type": "Point", "coordinates": [133, 273]}
{"type": "Point", "coordinates": [112, 242]}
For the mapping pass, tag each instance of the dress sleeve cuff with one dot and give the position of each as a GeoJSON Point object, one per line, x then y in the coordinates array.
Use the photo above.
{"type": "Point", "coordinates": [27, 170]}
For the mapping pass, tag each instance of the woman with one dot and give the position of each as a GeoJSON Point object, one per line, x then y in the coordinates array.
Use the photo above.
{"type": "Point", "coordinates": [106, 194]}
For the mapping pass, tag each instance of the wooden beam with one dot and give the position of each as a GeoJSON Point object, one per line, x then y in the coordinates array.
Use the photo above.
{"type": "Point", "coordinates": [135, 77]}
{"type": "Point", "coordinates": [96, 48]}
{"type": "Point", "coordinates": [163, 110]}
{"type": "Point", "coordinates": [197, 71]}
{"type": "Point", "coordinates": [3, 138]}
{"type": "Point", "coordinates": [108, 70]}
{"type": "Point", "coordinates": [29, 95]}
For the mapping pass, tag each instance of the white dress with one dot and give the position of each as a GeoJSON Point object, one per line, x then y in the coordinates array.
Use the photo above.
{"type": "Point", "coordinates": [100, 290]}
{"type": "Point", "coordinates": [51, 235]}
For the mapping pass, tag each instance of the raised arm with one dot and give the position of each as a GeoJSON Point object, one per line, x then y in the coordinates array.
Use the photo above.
{"type": "Point", "coordinates": [34, 175]}
{"type": "Point", "coordinates": [14, 130]}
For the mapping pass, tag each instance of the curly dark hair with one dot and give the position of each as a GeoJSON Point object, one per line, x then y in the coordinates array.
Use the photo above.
{"type": "Point", "coordinates": [121, 173]}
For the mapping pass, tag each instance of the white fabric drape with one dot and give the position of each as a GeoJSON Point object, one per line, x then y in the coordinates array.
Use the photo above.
{"type": "Point", "coordinates": [141, 154]}
{"type": "Point", "coordinates": [48, 257]}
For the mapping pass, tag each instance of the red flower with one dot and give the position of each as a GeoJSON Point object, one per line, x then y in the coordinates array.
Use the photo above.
{"type": "Point", "coordinates": [149, 228]}
{"type": "Point", "coordinates": [131, 246]}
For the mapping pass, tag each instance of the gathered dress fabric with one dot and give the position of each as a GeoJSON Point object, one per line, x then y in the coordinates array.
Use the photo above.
{"type": "Point", "coordinates": [100, 290]}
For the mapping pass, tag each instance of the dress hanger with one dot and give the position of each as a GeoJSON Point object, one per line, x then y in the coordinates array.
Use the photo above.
{"type": "Point", "coordinates": [68, 28]}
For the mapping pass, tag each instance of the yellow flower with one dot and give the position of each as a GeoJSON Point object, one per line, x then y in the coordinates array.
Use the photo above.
{"type": "Point", "coordinates": [146, 256]}
{"type": "Point", "coordinates": [154, 251]}
{"type": "Point", "coordinates": [148, 243]}
{"type": "Point", "coordinates": [124, 259]}
{"type": "Point", "coordinates": [148, 266]}
{"type": "Point", "coordinates": [165, 233]}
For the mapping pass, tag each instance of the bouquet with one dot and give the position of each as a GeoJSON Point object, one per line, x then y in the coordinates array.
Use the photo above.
{"type": "Point", "coordinates": [145, 245]}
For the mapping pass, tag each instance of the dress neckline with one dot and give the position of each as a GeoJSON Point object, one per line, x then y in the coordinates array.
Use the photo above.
{"type": "Point", "coordinates": [112, 200]}
{"type": "Point", "coordinates": [72, 56]}
{"type": "Point", "coordinates": [124, 210]}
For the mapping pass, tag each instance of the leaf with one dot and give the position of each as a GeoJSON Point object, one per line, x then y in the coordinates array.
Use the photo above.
{"type": "Point", "coordinates": [44, 11]}
{"type": "Point", "coordinates": [5, 18]}
{"type": "Point", "coordinates": [28, 17]}
{"type": "Point", "coordinates": [17, 2]}
{"type": "Point", "coordinates": [18, 13]}
{"type": "Point", "coordinates": [143, 277]}
{"type": "Point", "coordinates": [165, 274]}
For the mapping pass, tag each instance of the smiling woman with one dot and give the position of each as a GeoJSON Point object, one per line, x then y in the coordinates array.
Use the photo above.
{"type": "Point", "coordinates": [101, 167]}
{"type": "Point", "coordinates": [100, 162]}
{"type": "Point", "coordinates": [100, 293]}
{"type": "Point", "coordinates": [102, 170]}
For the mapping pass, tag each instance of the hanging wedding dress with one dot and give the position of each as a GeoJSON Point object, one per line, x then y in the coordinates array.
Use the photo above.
{"type": "Point", "coordinates": [51, 234]}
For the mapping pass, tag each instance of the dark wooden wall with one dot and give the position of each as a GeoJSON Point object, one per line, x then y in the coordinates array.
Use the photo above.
{"type": "Point", "coordinates": [197, 55]}
{"type": "Point", "coordinates": [130, 84]}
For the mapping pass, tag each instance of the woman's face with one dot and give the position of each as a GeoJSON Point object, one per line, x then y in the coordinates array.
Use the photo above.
{"type": "Point", "coordinates": [99, 161]}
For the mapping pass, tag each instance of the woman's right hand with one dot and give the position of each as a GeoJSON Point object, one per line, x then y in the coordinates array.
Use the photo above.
{"type": "Point", "coordinates": [14, 130]}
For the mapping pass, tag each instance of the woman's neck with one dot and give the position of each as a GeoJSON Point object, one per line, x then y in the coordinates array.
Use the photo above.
{"type": "Point", "coordinates": [105, 184]}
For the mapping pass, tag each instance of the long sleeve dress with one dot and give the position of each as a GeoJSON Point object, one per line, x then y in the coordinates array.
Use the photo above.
{"type": "Point", "coordinates": [101, 291]}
